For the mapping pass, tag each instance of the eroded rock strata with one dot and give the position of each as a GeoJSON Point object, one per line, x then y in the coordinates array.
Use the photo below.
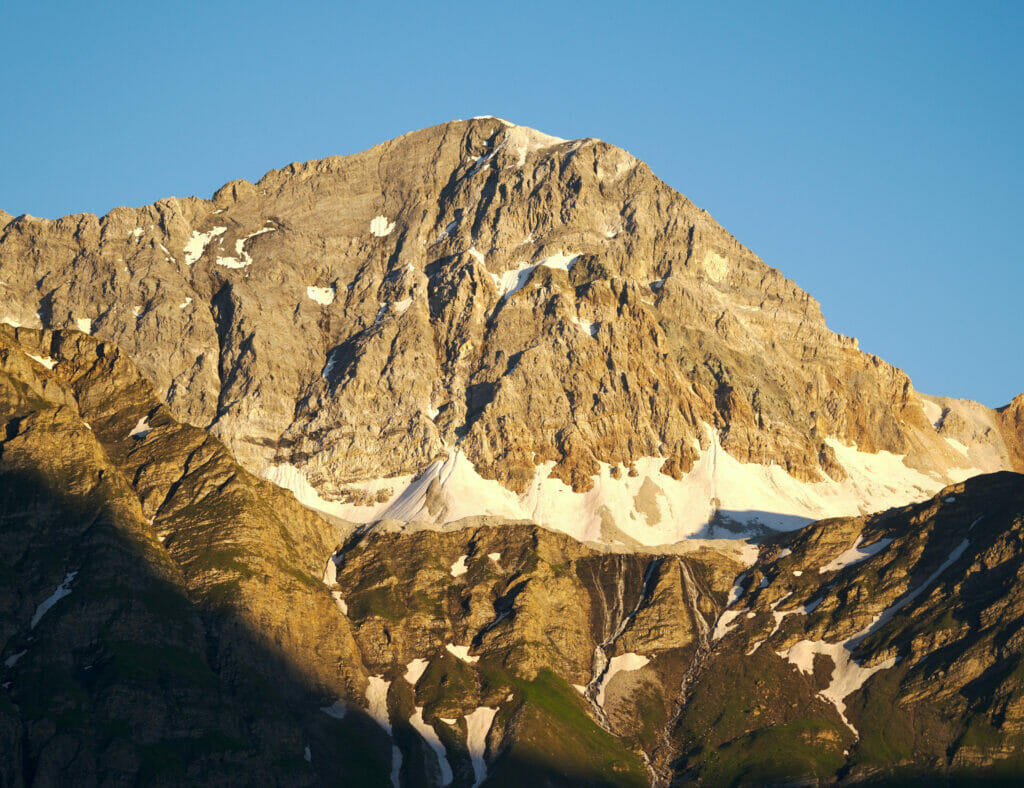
{"type": "Point", "coordinates": [556, 442]}
{"type": "Point", "coordinates": [547, 309]}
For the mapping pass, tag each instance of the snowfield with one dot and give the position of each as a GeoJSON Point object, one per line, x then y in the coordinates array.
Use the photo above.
{"type": "Point", "coordinates": [649, 508]}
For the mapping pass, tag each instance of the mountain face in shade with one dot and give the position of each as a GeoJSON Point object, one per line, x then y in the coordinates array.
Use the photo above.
{"type": "Point", "coordinates": [541, 325]}
{"type": "Point", "coordinates": [587, 494]}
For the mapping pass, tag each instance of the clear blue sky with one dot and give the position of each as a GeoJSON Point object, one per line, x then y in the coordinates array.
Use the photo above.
{"type": "Point", "coordinates": [870, 151]}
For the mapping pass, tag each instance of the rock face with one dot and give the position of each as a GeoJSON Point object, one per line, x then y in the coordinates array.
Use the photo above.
{"type": "Point", "coordinates": [547, 632]}
{"type": "Point", "coordinates": [885, 646]}
{"type": "Point", "coordinates": [163, 617]}
{"type": "Point", "coordinates": [549, 310]}
{"type": "Point", "coordinates": [529, 388]}
{"type": "Point", "coordinates": [169, 618]}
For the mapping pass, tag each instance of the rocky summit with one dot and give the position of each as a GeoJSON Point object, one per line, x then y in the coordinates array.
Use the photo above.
{"type": "Point", "coordinates": [481, 457]}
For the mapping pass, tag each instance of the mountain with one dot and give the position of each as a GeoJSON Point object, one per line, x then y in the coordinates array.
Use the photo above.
{"type": "Point", "coordinates": [887, 645]}
{"type": "Point", "coordinates": [479, 458]}
{"type": "Point", "coordinates": [542, 325]}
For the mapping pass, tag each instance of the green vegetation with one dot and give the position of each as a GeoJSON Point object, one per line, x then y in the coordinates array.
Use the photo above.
{"type": "Point", "coordinates": [379, 601]}
{"type": "Point", "coordinates": [157, 663]}
{"type": "Point", "coordinates": [175, 756]}
{"type": "Point", "coordinates": [302, 577]}
{"type": "Point", "coordinates": [797, 749]}
{"type": "Point", "coordinates": [222, 561]}
{"type": "Point", "coordinates": [556, 736]}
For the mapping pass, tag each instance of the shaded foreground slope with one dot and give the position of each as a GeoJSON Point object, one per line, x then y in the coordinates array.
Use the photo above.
{"type": "Point", "coordinates": [169, 657]}
{"type": "Point", "coordinates": [887, 646]}
{"type": "Point", "coordinates": [204, 625]}
{"type": "Point", "coordinates": [194, 640]}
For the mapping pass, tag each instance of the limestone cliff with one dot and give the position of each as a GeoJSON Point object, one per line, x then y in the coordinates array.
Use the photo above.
{"type": "Point", "coordinates": [548, 309]}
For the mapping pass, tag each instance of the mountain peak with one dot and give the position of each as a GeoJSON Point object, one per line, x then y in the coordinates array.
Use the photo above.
{"type": "Point", "coordinates": [478, 311]}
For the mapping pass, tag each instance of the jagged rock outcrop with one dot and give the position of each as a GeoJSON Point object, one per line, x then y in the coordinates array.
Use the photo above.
{"type": "Point", "coordinates": [189, 637]}
{"type": "Point", "coordinates": [869, 648]}
{"type": "Point", "coordinates": [577, 656]}
{"type": "Point", "coordinates": [548, 307]}
{"type": "Point", "coordinates": [518, 376]}
{"type": "Point", "coordinates": [1012, 425]}
{"type": "Point", "coordinates": [170, 618]}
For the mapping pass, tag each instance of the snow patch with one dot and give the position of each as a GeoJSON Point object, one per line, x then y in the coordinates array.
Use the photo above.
{"type": "Point", "coordinates": [396, 767]}
{"type": "Point", "coordinates": [84, 325]}
{"type": "Point", "coordinates": [480, 161]}
{"type": "Point", "coordinates": [747, 493]}
{"type": "Point", "coordinates": [459, 567]}
{"type": "Point", "coordinates": [780, 616]}
{"type": "Point", "coordinates": [749, 553]}
{"type": "Point", "coordinates": [197, 244]}
{"type": "Point", "coordinates": [855, 555]}
{"type": "Point", "coordinates": [242, 258]}
{"type": "Point", "coordinates": [619, 664]}
{"type": "Point", "coordinates": [848, 675]}
{"type": "Point", "coordinates": [430, 736]}
{"type": "Point", "coordinates": [462, 652]}
{"type": "Point", "coordinates": [447, 231]}
{"type": "Point", "coordinates": [45, 361]}
{"type": "Point", "coordinates": [340, 602]}
{"type": "Point", "coordinates": [377, 700]}
{"type": "Point", "coordinates": [322, 295]}
{"type": "Point", "coordinates": [736, 591]}
{"type": "Point", "coordinates": [141, 428]}
{"type": "Point", "coordinates": [415, 669]}
{"type": "Point", "coordinates": [560, 261]}
{"type": "Point", "coordinates": [958, 446]}
{"type": "Point", "coordinates": [291, 478]}
{"type": "Point", "coordinates": [588, 327]}
{"type": "Point", "coordinates": [475, 254]}
{"type": "Point", "coordinates": [478, 725]}
{"type": "Point", "coordinates": [513, 280]}
{"type": "Point", "coordinates": [526, 140]}
{"type": "Point", "coordinates": [725, 624]}
{"type": "Point", "coordinates": [62, 591]}
{"type": "Point", "coordinates": [399, 307]}
{"type": "Point", "coordinates": [932, 411]}
{"type": "Point", "coordinates": [496, 557]}
{"type": "Point", "coordinates": [337, 710]}
{"type": "Point", "coordinates": [184, 304]}
{"type": "Point", "coordinates": [380, 227]}
{"type": "Point", "coordinates": [12, 660]}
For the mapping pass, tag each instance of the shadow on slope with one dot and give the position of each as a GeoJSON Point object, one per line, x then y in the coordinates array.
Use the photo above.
{"type": "Point", "coordinates": [125, 679]}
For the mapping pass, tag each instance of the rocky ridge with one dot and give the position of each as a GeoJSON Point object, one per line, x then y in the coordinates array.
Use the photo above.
{"type": "Point", "coordinates": [896, 635]}
{"type": "Point", "coordinates": [197, 629]}
{"type": "Point", "coordinates": [376, 329]}
{"type": "Point", "coordinates": [546, 310]}
{"type": "Point", "coordinates": [166, 653]}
